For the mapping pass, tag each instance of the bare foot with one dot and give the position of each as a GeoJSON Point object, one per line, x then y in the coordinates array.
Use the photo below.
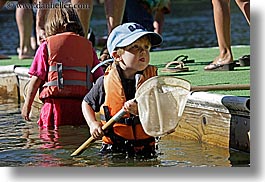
{"type": "Point", "coordinates": [219, 61]}
{"type": "Point", "coordinates": [25, 57]}
{"type": "Point", "coordinates": [26, 54]}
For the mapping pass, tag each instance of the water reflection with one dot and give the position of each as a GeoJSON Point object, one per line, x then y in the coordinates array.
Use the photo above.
{"type": "Point", "coordinates": [24, 144]}
{"type": "Point", "coordinates": [185, 153]}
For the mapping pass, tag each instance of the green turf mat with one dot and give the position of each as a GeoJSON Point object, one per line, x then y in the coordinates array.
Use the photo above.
{"type": "Point", "coordinates": [15, 61]}
{"type": "Point", "coordinates": [196, 74]}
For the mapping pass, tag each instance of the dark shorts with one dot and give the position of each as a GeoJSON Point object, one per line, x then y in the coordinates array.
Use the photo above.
{"type": "Point", "coordinates": [136, 12]}
{"type": "Point", "coordinates": [140, 150]}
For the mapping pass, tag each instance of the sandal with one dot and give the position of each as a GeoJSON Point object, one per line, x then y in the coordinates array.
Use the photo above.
{"type": "Point", "coordinates": [184, 59]}
{"type": "Point", "coordinates": [220, 67]}
{"type": "Point", "coordinates": [175, 67]}
{"type": "Point", "coordinates": [244, 60]}
{"type": "Point", "coordinates": [4, 57]}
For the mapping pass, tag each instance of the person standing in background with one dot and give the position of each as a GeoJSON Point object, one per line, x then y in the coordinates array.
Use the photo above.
{"type": "Point", "coordinates": [113, 8]}
{"type": "Point", "coordinates": [221, 10]}
{"type": "Point", "coordinates": [25, 22]}
{"type": "Point", "coordinates": [148, 13]}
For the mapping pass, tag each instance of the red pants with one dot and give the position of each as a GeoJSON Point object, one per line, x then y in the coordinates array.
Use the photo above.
{"type": "Point", "coordinates": [60, 111]}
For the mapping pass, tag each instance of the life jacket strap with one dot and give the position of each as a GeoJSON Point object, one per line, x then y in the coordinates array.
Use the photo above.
{"type": "Point", "coordinates": [60, 82]}
{"type": "Point", "coordinates": [89, 83]}
{"type": "Point", "coordinates": [133, 120]}
{"type": "Point", "coordinates": [59, 69]}
{"type": "Point", "coordinates": [106, 115]}
{"type": "Point", "coordinates": [75, 68]}
{"type": "Point", "coordinates": [65, 82]}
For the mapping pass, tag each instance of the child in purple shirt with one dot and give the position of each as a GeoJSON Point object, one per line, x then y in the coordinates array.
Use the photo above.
{"type": "Point", "coordinates": [61, 71]}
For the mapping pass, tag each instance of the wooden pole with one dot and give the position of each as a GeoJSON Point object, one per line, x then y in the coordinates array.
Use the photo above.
{"type": "Point", "coordinates": [85, 145]}
{"type": "Point", "coordinates": [221, 87]}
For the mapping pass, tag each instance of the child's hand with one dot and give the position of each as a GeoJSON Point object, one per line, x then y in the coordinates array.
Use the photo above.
{"type": "Point", "coordinates": [96, 130]}
{"type": "Point", "coordinates": [131, 107]}
{"type": "Point", "coordinates": [25, 112]}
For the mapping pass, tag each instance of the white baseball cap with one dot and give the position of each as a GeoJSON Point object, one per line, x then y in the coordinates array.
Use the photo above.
{"type": "Point", "coordinates": [127, 33]}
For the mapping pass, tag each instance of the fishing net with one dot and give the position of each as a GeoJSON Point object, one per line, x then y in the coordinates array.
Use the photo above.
{"type": "Point", "coordinates": [161, 102]}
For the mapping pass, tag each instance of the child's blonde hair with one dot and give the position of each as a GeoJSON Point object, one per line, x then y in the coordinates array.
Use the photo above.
{"type": "Point", "coordinates": [61, 20]}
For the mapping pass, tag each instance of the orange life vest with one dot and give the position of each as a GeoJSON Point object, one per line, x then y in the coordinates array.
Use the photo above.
{"type": "Point", "coordinates": [115, 99]}
{"type": "Point", "coordinates": [70, 59]}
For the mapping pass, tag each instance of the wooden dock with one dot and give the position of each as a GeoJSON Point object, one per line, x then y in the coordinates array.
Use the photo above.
{"type": "Point", "coordinates": [221, 120]}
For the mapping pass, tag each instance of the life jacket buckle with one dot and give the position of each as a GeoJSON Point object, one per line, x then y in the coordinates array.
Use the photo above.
{"type": "Point", "coordinates": [59, 69]}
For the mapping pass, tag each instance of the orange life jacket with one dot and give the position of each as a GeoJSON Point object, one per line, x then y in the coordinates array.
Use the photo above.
{"type": "Point", "coordinates": [70, 59]}
{"type": "Point", "coordinates": [115, 99]}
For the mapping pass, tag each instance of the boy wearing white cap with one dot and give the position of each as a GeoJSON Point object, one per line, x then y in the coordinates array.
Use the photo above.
{"type": "Point", "coordinates": [129, 45]}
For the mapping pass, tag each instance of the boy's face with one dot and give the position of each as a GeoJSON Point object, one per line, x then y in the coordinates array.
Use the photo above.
{"type": "Point", "coordinates": [137, 55]}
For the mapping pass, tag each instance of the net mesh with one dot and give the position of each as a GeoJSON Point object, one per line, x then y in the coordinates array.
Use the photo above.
{"type": "Point", "coordinates": [161, 102]}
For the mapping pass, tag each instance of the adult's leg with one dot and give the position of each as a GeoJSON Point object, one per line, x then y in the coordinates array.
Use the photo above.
{"type": "Point", "coordinates": [244, 6]}
{"type": "Point", "coordinates": [159, 21]}
{"type": "Point", "coordinates": [221, 10]}
{"type": "Point", "coordinates": [40, 20]}
{"type": "Point", "coordinates": [24, 19]}
{"type": "Point", "coordinates": [84, 13]}
{"type": "Point", "coordinates": [114, 10]}
{"type": "Point", "coordinates": [159, 17]}
{"type": "Point", "coordinates": [2, 3]}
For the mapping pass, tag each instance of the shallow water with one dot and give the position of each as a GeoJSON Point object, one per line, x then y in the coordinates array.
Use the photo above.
{"type": "Point", "coordinates": [24, 144]}
{"type": "Point", "coordinates": [190, 24]}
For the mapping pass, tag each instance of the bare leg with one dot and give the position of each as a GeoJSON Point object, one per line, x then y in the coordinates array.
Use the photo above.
{"type": "Point", "coordinates": [244, 6]}
{"type": "Point", "coordinates": [40, 21]}
{"type": "Point", "coordinates": [159, 16]}
{"type": "Point", "coordinates": [24, 18]}
{"type": "Point", "coordinates": [221, 9]}
{"type": "Point", "coordinates": [159, 21]}
{"type": "Point", "coordinates": [84, 14]}
{"type": "Point", "coordinates": [2, 3]}
{"type": "Point", "coordinates": [114, 10]}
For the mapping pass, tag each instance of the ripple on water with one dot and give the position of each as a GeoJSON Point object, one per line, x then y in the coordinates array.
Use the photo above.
{"type": "Point", "coordinates": [24, 144]}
